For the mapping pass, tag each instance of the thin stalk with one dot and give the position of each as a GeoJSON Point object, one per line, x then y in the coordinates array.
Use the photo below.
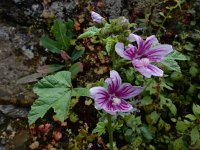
{"type": "Point", "coordinates": [113, 59]}
{"type": "Point", "coordinates": [110, 131]}
{"type": "Point", "coordinates": [166, 17]}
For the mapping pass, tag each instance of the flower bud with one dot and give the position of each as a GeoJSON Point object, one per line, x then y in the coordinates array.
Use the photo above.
{"type": "Point", "coordinates": [96, 17]}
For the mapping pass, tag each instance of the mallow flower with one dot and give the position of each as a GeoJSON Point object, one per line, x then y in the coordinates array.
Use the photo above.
{"type": "Point", "coordinates": [144, 53]}
{"type": "Point", "coordinates": [96, 17]}
{"type": "Point", "coordinates": [112, 98]}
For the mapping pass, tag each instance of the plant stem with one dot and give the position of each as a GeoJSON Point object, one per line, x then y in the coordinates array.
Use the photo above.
{"type": "Point", "coordinates": [110, 131]}
{"type": "Point", "coordinates": [113, 59]}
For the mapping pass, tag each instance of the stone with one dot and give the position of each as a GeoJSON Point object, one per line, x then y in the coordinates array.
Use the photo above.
{"type": "Point", "coordinates": [13, 65]}
{"type": "Point", "coordinates": [14, 111]}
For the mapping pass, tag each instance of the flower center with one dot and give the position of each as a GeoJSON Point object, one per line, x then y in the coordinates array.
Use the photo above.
{"type": "Point", "coordinates": [116, 101]}
{"type": "Point", "coordinates": [145, 61]}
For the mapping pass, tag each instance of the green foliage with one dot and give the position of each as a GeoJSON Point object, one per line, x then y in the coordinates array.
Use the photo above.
{"type": "Point", "coordinates": [80, 92]}
{"type": "Point", "coordinates": [167, 102]}
{"type": "Point", "coordinates": [51, 45]}
{"type": "Point", "coordinates": [136, 129]}
{"type": "Point", "coordinates": [196, 110]}
{"type": "Point", "coordinates": [100, 128]}
{"type": "Point", "coordinates": [63, 34]}
{"type": "Point", "coordinates": [179, 144]}
{"type": "Point", "coordinates": [54, 91]}
{"type": "Point", "coordinates": [170, 62]}
{"type": "Point", "coordinates": [76, 68]}
{"type": "Point", "coordinates": [91, 31]}
{"type": "Point", "coordinates": [110, 42]}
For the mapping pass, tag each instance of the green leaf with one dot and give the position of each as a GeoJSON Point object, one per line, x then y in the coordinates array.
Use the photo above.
{"type": "Point", "coordinates": [191, 117]}
{"type": "Point", "coordinates": [194, 71]}
{"type": "Point", "coordinates": [77, 54]}
{"type": "Point", "coordinates": [54, 91]}
{"type": "Point", "coordinates": [194, 134]}
{"type": "Point", "coordinates": [128, 132]}
{"type": "Point", "coordinates": [175, 55]}
{"type": "Point", "coordinates": [59, 31]}
{"type": "Point", "coordinates": [179, 144]}
{"type": "Point", "coordinates": [146, 101]}
{"type": "Point", "coordinates": [189, 46]}
{"type": "Point", "coordinates": [69, 26]}
{"type": "Point", "coordinates": [100, 128]}
{"type": "Point", "coordinates": [169, 61]}
{"type": "Point", "coordinates": [80, 92]}
{"type": "Point", "coordinates": [146, 132]}
{"type": "Point", "coordinates": [196, 109]}
{"type": "Point", "coordinates": [91, 31]}
{"type": "Point", "coordinates": [76, 68]}
{"type": "Point", "coordinates": [50, 44]}
{"type": "Point", "coordinates": [150, 85]}
{"type": "Point", "coordinates": [154, 117]}
{"type": "Point", "coordinates": [167, 102]}
{"type": "Point", "coordinates": [110, 42]}
{"type": "Point", "coordinates": [137, 141]}
{"type": "Point", "coordinates": [182, 126]}
{"type": "Point", "coordinates": [171, 64]}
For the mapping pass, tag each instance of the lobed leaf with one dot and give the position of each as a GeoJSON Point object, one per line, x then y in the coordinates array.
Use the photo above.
{"type": "Point", "coordinates": [169, 61]}
{"type": "Point", "coordinates": [100, 128]}
{"type": "Point", "coordinates": [54, 91]}
{"type": "Point", "coordinates": [110, 42]}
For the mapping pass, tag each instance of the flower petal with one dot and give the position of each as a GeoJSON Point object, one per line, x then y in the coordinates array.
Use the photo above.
{"type": "Point", "coordinates": [140, 43]}
{"type": "Point", "coordinates": [154, 70]}
{"type": "Point", "coordinates": [119, 48]}
{"type": "Point", "coordinates": [126, 91]}
{"type": "Point", "coordinates": [122, 107]}
{"type": "Point", "coordinates": [143, 71]}
{"type": "Point", "coordinates": [140, 67]}
{"type": "Point", "coordinates": [157, 53]}
{"type": "Point", "coordinates": [100, 96]}
{"type": "Point", "coordinates": [147, 69]}
{"type": "Point", "coordinates": [131, 52]}
{"type": "Point", "coordinates": [150, 41]}
{"type": "Point", "coordinates": [113, 82]}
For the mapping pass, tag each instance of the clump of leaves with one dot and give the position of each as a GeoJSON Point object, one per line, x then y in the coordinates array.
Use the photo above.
{"type": "Point", "coordinates": [62, 32]}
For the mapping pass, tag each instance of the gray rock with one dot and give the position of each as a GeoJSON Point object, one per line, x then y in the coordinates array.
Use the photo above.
{"type": "Point", "coordinates": [14, 111]}
{"type": "Point", "coordinates": [14, 65]}
{"type": "Point", "coordinates": [2, 119]}
{"type": "Point", "coordinates": [2, 148]}
{"type": "Point", "coordinates": [113, 8]}
{"type": "Point", "coordinates": [27, 12]}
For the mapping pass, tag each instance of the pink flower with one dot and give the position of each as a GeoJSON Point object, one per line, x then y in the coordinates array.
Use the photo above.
{"type": "Point", "coordinates": [112, 99]}
{"type": "Point", "coordinates": [96, 17]}
{"type": "Point", "coordinates": [144, 54]}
